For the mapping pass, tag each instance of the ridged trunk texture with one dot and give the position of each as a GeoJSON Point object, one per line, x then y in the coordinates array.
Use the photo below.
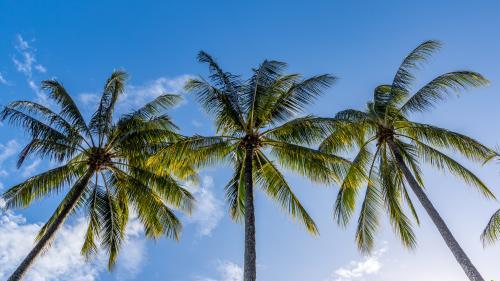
{"type": "Point", "coordinates": [458, 252]}
{"type": "Point", "coordinates": [250, 270]}
{"type": "Point", "coordinates": [51, 231]}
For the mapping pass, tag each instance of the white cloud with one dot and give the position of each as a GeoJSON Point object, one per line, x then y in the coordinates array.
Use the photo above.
{"type": "Point", "coordinates": [196, 123]}
{"type": "Point", "coordinates": [22, 44]}
{"type": "Point", "coordinates": [227, 271]}
{"type": "Point", "coordinates": [25, 62]}
{"type": "Point", "coordinates": [63, 260]}
{"type": "Point", "coordinates": [136, 96]}
{"type": "Point", "coordinates": [2, 79]}
{"type": "Point", "coordinates": [8, 149]}
{"type": "Point", "coordinates": [208, 209]}
{"type": "Point", "coordinates": [358, 270]}
{"type": "Point", "coordinates": [31, 168]}
{"type": "Point", "coordinates": [40, 68]}
{"type": "Point", "coordinates": [88, 98]}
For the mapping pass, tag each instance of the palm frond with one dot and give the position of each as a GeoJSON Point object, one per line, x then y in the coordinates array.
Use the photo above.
{"type": "Point", "coordinates": [313, 164]}
{"type": "Point", "coordinates": [491, 233]}
{"type": "Point", "coordinates": [100, 122]}
{"type": "Point", "coordinates": [442, 161]}
{"type": "Point", "coordinates": [69, 110]}
{"type": "Point", "coordinates": [274, 184]}
{"type": "Point", "coordinates": [50, 182]}
{"type": "Point", "coordinates": [157, 106]}
{"type": "Point", "coordinates": [299, 95]}
{"type": "Point", "coordinates": [448, 140]}
{"type": "Point", "coordinates": [306, 130]}
{"type": "Point", "coordinates": [442, 87]}
{"type": "Point", "coordinates": [404, 76]}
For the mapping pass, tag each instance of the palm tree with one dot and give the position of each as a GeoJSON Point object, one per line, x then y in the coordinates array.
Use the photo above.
{"type": "Point", "coordinates": [399, 144]}
{"type": "Point", "coordinates": [102, 168]}
{"type": "Point", "coordinates": [254, 120]}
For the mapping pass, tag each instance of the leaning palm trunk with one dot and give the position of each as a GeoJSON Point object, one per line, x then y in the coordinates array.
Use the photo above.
{"type": "Point", "coordinates": [250, 270]}
{"type": "Point", "coordinates": [49, 234]}
{"type": "Point", "coordinates": [458, 252]}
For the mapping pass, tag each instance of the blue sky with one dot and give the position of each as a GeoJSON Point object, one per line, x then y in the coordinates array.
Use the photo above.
{"type": "Point", "coordinates": [156, 42]}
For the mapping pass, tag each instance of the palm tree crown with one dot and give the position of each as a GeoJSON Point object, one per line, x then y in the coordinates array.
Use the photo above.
{"type": "Point", "coordinates": [255, 121]}
{"type": "Point", "coordinates": [387, 140]}
{"type": "Point", "coordinates": [257, 114]}
{"type": "Point", "coordinates": [102, 164]}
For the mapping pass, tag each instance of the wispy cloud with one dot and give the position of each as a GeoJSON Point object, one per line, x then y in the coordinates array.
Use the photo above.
{"type": "Point", "coordinates": [2, 79]}
{"type": "Point", "coordinates": [358, 270]}
{"type": "Point", "coordinates": [31, 168]}
{"type": "Point", "coordinates": [196, 123]}
{"type": "Point", "coordinates": [26, 63]}
{"type": "Point", "coordinates": [63, 260]}
{"type": "Point", "coordinates": [9, 149]}
{"type": "Point", "coordinates": [227, 271]}
{"type": "Point", "coordinates": [208, 209]}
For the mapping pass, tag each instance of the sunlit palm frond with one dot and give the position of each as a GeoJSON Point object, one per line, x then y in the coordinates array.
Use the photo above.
{"type": "Point", "coordinates": [41, 185]}
{"type": "Point", "coordinates": [274, 184]}
{"type": "Point", "coordinates": [306, 130]}
{"type": "Point", "coordinates": [357, 175]}
{"type": "Point", "coordinates": [315, 165]}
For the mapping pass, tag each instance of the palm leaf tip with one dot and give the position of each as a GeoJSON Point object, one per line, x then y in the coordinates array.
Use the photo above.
{"type": "Point", "coordinates": [491, 233]}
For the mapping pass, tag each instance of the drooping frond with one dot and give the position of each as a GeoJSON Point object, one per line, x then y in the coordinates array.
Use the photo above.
{"type": "Point", "coordinates": [41, 185]}
{"type": "Point", "coordinates": [94, 203]}
{"type": "Point", "coordinates": [112, 223]}
{"type": "Point", "coordinates": [491, 233]}
{"type": "Point", "coordinates": [47, 115]}
{"type": "Point", "coordinates": [368, 221]}
{"type": "Point", "coordinates": [442, 161]}
{"type": "Point", "coordinates": [274, 184]}
{"type": "Point", "coordinates": [154, 214]}
{"type": "Point", "coordinates": [442, 87]}
{"type": "Point", "coordinates": [356, 176]}
{"type": "Point", "coordinates": [392, 185]}
{"type": "Point", "coordinates": [446, 139]}
{"type": "Point", "coordinates": [235, 191]}
{"type": "Point", "coordinates": [36, 128]}
{"type": "Point", "coordinates": [171, 192]}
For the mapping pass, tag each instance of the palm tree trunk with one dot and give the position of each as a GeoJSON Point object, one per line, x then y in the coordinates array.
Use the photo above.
{"type": "Point", "coordinates": [49, 235]}
{"type": "Point", "coordinates": [458, 252]}
{"type": "Point", "coordinates": [250, 271]}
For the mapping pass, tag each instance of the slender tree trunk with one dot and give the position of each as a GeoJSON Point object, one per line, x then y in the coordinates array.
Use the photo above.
{"type": "Point", "coordinates": [49, 235]}
{"type": "Point", "coordinates": [458, 252]}
{"type": "Point", "coordinates": [250, 270]}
